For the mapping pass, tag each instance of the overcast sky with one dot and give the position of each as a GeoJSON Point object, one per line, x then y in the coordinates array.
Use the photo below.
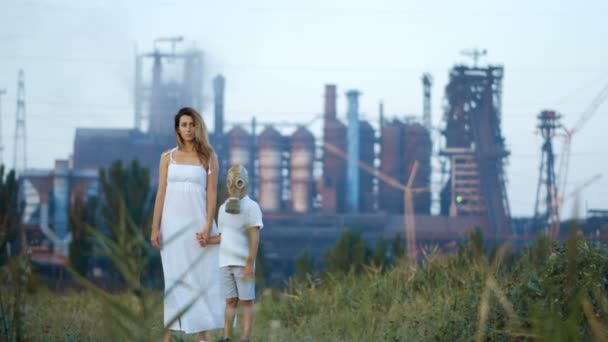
{"type": "Point", "coordinates": [277, 56]}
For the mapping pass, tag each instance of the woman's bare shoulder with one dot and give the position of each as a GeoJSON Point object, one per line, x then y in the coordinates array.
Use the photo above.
{"type": "Point", "coordinates": [166, 155]}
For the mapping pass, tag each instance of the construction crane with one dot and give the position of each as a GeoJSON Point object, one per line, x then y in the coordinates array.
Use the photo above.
{"type": "Point", "coordinates": [577, 191]}
{"type": "Point", "coordinates": [408, 193]}
{"type": "Point", "coordinates": [564, 163]}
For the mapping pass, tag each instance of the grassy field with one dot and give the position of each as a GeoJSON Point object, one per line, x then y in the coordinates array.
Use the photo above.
{"type": "Point", "coordinates": [554, 292]}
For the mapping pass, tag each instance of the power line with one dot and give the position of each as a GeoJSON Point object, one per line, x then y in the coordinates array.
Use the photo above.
{"type": "Point", "coordinates": [578, 89]}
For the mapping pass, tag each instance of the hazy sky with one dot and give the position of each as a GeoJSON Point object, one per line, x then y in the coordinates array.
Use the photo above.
{"type": "Point", "coordinates": [277, 55]}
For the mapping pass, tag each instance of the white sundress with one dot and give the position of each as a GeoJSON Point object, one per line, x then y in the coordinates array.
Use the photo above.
{"type": "Point", "coordinates": [191, 272]}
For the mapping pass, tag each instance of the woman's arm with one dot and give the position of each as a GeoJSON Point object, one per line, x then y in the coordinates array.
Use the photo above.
{"type": "Point", "coordinates": [160, 200]}
{"type": "Point", "coordinates": [211, 194]}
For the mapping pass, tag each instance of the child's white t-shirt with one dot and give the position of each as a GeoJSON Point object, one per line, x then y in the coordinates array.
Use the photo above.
{"type": "Point", "coordinates": [234, 246]}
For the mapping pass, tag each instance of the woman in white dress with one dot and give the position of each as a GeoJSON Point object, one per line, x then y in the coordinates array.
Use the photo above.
{"type": "Point", "coordinates": [184, 209]}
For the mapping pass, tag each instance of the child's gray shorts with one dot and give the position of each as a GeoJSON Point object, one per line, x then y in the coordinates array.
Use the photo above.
{"type": "Point", "coordinates": [233, 284]}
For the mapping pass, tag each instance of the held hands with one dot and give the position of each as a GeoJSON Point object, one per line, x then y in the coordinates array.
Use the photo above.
{"type": "Point", "coordinates": [155, 238]}
{"type": "Point", "coordinates": [203, 237]}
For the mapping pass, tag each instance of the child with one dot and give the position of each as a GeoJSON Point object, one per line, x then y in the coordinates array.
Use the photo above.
{"type": "Point", "coordinates": [239, 223]}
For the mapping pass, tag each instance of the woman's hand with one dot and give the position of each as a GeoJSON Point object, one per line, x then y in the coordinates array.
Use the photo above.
{"type": "Point", "coordinates": [155, 238]}
{"type": "Point", "coordinates": [203, 236]}
{"type": "Point", "coordinates": [200, 237]}
{"type": "Point", "coordinates": [206, 233]}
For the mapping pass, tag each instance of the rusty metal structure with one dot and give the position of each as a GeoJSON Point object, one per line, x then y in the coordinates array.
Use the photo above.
{"type": "Point", "coordinates": [333, 184]}
{"type": "Point", "coordinates": [166, 79]}
{"type": "Point", "coordinates": [417, 147]}
{"type": "Point", "coordinates": [475, 146]}
{"type": "Point", "coordinates": [548, 219]}
{"type": "Point", "coordinates": [367, 142]}
{"type": "Point", "coordinates": [270, 177]}
{"type": "Point", "coordinates": [47, 211]}
{"type": "Point", "coordinates": [301, 161]}
{"type": "Point", "coordinates": [239, 147]}
{"type": "Point", "coordinates": [402, 144]}
{"type": "Point", "coordinates": [391, 164]}
{"type": "Point", "coordinates": [177, 81]}
{"type": "Point", "coordinates": [300, 185]}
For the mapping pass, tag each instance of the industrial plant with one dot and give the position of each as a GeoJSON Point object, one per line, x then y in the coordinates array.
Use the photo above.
{"type": "Point", "coordinates": [355, 174]}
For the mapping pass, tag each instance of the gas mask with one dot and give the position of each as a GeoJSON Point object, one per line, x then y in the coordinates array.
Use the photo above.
{"type": "Point", "coordinates": [237, 184]}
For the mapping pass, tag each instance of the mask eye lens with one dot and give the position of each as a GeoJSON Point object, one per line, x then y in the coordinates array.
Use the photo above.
{"type": "Point", "coordinates": [240, 184]}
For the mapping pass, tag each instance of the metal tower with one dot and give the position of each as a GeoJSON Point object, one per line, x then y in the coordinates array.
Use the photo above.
{"type": "Point", "coordinates": [20, 152]}
{"type": "Point", "coordinates": [475, 146]}
{"type": "Point", "coordinates": [2, 92]}
{"type": "Point", "coordinates": [427, 82]}
{"type": "Point", "coordinates": [219, 84]}
{"type": "Point", "coordinates": [475, 54]}
{"type": "Point", "coordinates": [158, 98]}
{"type": "Point", "coordinates": [548, 220]}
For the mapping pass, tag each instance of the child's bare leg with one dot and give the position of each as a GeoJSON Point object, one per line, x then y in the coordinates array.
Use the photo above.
{"type": "Point", "coordinates": [247, 318]}
{"type": "Point", "coordinates": [231, 304]}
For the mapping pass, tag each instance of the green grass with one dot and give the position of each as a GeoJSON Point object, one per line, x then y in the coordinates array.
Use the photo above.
{"type": "Point", "coordinates": [550, 293]}
{"type": "Point", "coordinates": [53, 316]}
{"type": "Point", "coordinates": [82, 316]}
{"type": "Point", "coordinates": [554, 293]}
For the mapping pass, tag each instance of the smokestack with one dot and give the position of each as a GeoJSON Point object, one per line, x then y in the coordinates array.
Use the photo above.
{"type": "Point", "coordinates": [330, 101]}
{"type": "Point", "coordinates": [381, 112]}
{"type": "Point", "coordinates": [219, 83]}
{"type": "Point", "coordinates": [427, 82]}
{"type": "Point", "coordinates": [158, 102]}
{"type": "Point", "coordinates": [352, 168]}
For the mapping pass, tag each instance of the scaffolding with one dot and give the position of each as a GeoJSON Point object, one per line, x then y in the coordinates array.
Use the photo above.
{"type": "Point", "coordinates": [475, 146]}
{"type": "Point", "coordinates": [177, 81]}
